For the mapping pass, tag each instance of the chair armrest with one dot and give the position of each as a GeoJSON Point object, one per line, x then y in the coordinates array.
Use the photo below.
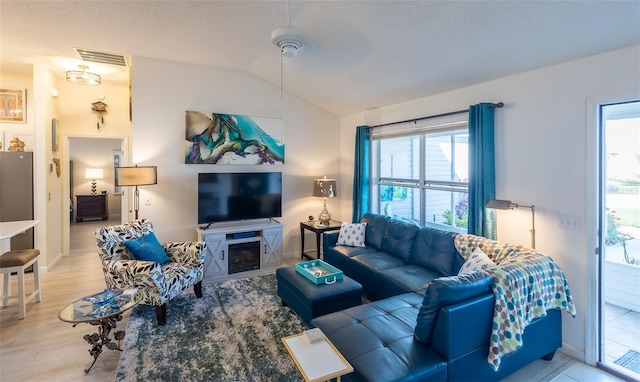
{"type": "Point", "coordinates": [127, 274]}
{"type": "Point", "coordinates": [462, 327]}
{"type": "Point", "coordinates": [191, 253]}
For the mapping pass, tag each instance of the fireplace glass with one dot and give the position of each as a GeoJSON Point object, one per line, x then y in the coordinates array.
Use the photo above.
{"type": "Point", "coordinates": [244, 257]}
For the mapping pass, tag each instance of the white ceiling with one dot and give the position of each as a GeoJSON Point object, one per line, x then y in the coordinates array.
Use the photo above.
{"type": "Point", "coordinates": [362, 54]}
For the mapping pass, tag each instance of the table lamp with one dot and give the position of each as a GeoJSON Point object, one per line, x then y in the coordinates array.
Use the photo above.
{"type": "Point", "coordinates": [325, 188]}
{"type": "Point", "coordinates": [93, 174]}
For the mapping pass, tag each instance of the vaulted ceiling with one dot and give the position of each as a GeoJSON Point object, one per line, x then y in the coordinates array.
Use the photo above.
{"type": "Point", "coordinates": [359, 55]}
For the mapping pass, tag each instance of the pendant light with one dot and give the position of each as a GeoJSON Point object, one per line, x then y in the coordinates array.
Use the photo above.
{"type": "Point", "coordinates": [82, 77]}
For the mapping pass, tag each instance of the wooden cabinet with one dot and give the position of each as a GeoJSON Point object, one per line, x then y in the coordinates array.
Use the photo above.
{"type": "Point", "coordinates": [268, 238]}
{"type": "Point", "coordinates": [272, 240]}
{"type": "Point", "coordinates": [91, 207]}
{"type": "Point", "coordinates": [215, 263]}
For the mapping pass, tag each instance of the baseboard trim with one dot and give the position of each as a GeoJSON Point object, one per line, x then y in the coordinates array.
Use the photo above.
{"type": "Point", "coordinates": [574, 352]}
{"type": "Point", "coordinates": [55, 261]}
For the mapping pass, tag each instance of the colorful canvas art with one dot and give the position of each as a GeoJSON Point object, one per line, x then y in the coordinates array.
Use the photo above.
{"type": "Point", "coordinates": [213, 138]}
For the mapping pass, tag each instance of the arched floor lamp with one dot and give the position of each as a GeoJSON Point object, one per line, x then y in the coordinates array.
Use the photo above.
{"type": "Point", "coordinates": [508, 205]}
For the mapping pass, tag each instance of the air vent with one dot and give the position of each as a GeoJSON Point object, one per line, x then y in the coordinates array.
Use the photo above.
{"type": "Point", "coordinates": [102, 57]}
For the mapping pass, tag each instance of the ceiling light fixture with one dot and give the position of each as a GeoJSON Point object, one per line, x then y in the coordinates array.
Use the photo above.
{"type": "Point", "coordinates": [289, 40]}
{"type": "Point", "coordinates": [82, 77]}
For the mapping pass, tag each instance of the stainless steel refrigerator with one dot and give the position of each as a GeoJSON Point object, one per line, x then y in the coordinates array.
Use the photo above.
{"type": "Point", "coordinates": [16, 193]}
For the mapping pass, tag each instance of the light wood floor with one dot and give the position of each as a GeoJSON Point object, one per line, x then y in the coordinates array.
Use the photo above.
{"type": "Point", "coordinates": [43, 348]}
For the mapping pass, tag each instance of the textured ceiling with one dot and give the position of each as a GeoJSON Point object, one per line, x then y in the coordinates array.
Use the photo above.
{"type": "Point", "coordinates": [362, 54]}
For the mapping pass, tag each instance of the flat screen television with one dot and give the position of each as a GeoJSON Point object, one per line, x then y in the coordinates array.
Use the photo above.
{"type": "Point", "coordinates": [224, 197]}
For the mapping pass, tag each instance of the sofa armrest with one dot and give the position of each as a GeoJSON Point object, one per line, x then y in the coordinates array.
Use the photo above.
{"type": "Point", "coordinates": [127, 274]}
{"type": "Point", "coordinates": [329, 239]}
{"type": "Point", "coordinates": [191, 253]}
{"type": "Point", "coordinates": [463, 327]}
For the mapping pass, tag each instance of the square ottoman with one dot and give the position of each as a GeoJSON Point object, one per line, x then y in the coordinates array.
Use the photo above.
{"type": "Point", "coordinates": [309, 300]}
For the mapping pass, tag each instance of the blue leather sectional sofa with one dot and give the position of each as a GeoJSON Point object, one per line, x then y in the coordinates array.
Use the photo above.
{"type": "Point", "coordinates": [396, 267]}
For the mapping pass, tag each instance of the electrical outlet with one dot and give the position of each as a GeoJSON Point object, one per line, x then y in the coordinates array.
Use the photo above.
{"type": "Point", "coordinates": [147, 202]}
{"type": "Point", "coordinates": [570, 222]}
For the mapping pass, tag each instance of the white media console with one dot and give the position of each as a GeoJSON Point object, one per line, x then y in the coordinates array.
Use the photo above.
{"type": "Point", "coordinates": [241, 249]}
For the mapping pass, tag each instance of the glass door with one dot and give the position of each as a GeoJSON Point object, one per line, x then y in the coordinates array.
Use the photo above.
{"type": "Point", "coordinates": [619, 168]}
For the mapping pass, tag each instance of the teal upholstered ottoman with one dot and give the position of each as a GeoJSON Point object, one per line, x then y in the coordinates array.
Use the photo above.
{"type": "Point", "coordinates": [309, 300]}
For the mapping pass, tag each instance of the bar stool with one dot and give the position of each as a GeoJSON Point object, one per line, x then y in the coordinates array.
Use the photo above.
{"type": "Point", "coordinates": [17, 261]}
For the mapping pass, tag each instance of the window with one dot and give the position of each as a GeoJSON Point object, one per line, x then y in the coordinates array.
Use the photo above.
{"type": "Point", "coordinates": [421, 174]}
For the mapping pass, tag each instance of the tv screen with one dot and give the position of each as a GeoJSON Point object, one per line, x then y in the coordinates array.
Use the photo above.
{"type": "Point", "coordinates": [239, 196]}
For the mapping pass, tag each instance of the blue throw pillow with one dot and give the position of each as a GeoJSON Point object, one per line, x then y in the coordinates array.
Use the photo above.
{"type": "Point", "coordinates": [147, 248]}
{"type": "Point", "coordinates": [446, 291]}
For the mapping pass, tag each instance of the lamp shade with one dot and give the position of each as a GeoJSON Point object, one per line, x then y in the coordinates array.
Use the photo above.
{"type": "Point", "coordinates": [325, 188]}
{"type": "Point", "coordinates": [93, 173]}
{"type": "Point", "coordinates": [501, 204]}
{"type": "Point", "coordinates": [136, 176]}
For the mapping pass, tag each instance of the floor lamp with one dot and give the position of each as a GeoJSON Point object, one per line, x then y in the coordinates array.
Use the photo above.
{"type": "Point", "coordinates": [136, 176]}
{"type": "Point", "coordinates": [508, 205]}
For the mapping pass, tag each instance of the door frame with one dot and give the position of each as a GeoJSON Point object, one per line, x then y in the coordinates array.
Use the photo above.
{"type": "Point", "coordinates": [66, 192]}
{"type": "Point", "coordinates": [594, 194]}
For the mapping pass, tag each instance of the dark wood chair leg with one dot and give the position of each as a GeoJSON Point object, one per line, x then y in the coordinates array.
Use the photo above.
{"type": "Point", "coordinates": [197, 289]}
{"type": "Point", "coordinates": [161, 314]}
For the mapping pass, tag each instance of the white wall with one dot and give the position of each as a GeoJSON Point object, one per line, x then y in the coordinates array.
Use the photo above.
{"type": "Point", "coordinates": [163, 91]}
{"type": "Point", "coordinates": [23, 131]}
{"type": "Point", "coordinates": [77, 120]}
{"type": "Point", "coordinates": [540, 155]}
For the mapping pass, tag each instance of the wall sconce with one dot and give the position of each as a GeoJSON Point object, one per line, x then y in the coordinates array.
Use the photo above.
{"type": "Point", "coordinates": [93, 174]}
{"type": "Point", "coordinates": [136, 176]}
{"type": "Point", "coordinates": [325, 188]}
{"type": "Point", "coordinates": [508, 205]}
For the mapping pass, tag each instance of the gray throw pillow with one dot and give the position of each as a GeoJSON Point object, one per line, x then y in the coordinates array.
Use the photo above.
{"type": "Point", "coordinates": [446, 291]}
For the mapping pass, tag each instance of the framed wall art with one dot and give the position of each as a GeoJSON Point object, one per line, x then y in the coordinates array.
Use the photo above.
{"type": "Point", "coordinates": [13, 105]}
{"type": "Point", "coordinates": [213, 138]}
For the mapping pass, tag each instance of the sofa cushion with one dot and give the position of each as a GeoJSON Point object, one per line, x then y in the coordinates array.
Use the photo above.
{"type": "Point", "coordinates": [352, 234]}
{"type": "Point", "coordinates": [399, 237]}
{"type": "Point", "coordinates": [147, 248]}
{"type": "Point", "coordinates": [446, 291]}
{"type": "Point", "coordinates": [340, 255]}
{"type": "Point", "coordinates": [377, 340]}
{"type": "Point", "coordinates": [434, 248]}
{"type": "Point", "coordinates": [375, 229]}
{"type": "Point", "coordinates": [365, 266]}
{"type": "Point", "coordinates": [477, 261]}
{"type": "Point", "coordinates": [407, 278]}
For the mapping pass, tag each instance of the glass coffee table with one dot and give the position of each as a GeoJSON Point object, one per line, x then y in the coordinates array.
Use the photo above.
{"type": "Point", "coordinates": [105, 315]}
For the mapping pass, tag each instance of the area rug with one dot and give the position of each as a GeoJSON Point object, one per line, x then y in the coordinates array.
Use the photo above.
{"type": "Point", "coordinates": [631, 361]}
{"type": "Point", "coordinates": [233, 333]}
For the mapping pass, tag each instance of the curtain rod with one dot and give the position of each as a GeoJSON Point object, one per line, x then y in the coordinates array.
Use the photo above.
{"type": "Point", "coordinates": [491, 106]}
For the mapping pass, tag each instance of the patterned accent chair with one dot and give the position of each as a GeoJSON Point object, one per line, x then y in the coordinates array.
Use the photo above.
{"type": "Point", "coordinates": [157, 283]}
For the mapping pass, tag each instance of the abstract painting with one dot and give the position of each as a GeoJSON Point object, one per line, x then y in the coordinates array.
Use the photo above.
{"type": "Point", "coordinates": [12, 105]}
{"type": "Point", "coordinates": [213, 138]}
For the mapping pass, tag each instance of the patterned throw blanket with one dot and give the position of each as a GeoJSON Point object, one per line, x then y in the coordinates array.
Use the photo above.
{"type": "Point", "coordinates": [525, 283]}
